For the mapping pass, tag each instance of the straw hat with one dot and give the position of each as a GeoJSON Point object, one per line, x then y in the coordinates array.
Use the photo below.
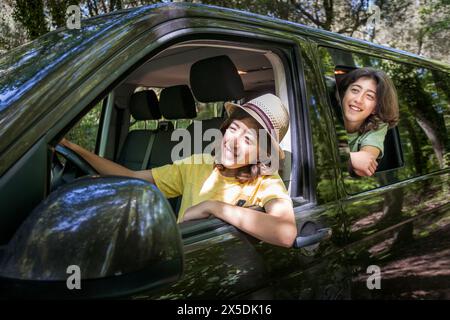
{"type": "Point", "coordinates": [270, 113]}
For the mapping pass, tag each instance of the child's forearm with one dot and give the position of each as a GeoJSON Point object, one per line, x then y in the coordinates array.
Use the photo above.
{"type": "Point", "coordinates": [373, 151]}
{"type": "Point", "coordinates": [269, 228]}
{"type": "Point", "coordinates": [107, 167]}
{"type": "Point", "coordinates": [364, 162]}
{"type": "Point", "coordinates": [102, 165]}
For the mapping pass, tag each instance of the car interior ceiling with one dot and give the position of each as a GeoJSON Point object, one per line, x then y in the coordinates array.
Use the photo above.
{"type": "Point", "coordinates": [186, 74]}
{"type": "Point", "coordinates": [172, 67]}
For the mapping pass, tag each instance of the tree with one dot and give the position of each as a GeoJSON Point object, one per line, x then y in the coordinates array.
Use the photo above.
{"type": "Point", "coordinates": [420, 26]}
{"type": "Point", "coordinates": [30, 13]}
{"type": "Point", "coordinates": [58, 10]}
{"type": "Point", "coordinates": [12, 34]}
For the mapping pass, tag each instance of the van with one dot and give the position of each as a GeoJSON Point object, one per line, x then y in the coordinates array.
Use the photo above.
{"type": "Point", "coordinates": [126, 82]}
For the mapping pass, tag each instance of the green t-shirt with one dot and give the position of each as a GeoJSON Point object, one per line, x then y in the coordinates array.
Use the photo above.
{"type": "Point", "coordinates": [373, 138]}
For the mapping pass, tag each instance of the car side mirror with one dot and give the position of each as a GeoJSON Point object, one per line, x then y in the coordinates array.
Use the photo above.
{"type": "Point", "coordinates": [118, 235]}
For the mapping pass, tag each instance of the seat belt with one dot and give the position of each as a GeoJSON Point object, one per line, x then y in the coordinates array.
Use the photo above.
{"type": "Point", "coordinates": [148, 151]}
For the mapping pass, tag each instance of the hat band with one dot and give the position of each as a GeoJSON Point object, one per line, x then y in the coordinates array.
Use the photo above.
{"type": "Point", "coordinates": [262, 115]}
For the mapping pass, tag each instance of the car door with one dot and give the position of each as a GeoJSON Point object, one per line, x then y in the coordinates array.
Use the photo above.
{"type": "Point", "coordinates": [223, 262]}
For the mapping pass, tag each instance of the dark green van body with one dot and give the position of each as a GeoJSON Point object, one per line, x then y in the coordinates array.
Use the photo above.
{"type": "Point", "coordinates": [399, 223]}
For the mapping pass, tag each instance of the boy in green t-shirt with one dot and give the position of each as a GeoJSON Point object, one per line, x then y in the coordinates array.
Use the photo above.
{"type": "Point", "coordinates": [370, 108]}
{"type": "Point", "coordinates": [373, 138]}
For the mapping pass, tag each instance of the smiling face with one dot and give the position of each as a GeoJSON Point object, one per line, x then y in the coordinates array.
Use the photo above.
{"type": "Point", "coordinates": [239, 145]}
{"type": "Point", "coordinates": [359, 102]}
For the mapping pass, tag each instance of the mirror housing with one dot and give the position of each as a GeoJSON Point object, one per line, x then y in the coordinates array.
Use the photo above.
{"type": "Point", "coordinates": [120, 232]}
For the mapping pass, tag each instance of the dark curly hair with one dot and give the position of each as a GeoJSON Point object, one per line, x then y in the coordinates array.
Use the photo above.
{"type": "Point", "coordinates": [387, 101]}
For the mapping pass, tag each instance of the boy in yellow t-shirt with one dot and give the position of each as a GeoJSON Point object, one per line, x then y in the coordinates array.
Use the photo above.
{"type": "Point", "coordinates": [197, 179]}
{"type": "Point", "coordinates": [241, 175]}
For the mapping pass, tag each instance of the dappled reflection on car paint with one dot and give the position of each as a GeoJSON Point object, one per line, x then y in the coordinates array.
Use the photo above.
{"type": "Point", "coordinates": [59, 64]}
{"type": "Point", "coordinates": [25, 66]}
{"type": "Point", "coordinates": [409, 241]}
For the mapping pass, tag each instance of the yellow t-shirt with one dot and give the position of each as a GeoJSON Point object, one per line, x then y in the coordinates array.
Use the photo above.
{"type": "Point", "coordinates": [197, 180]}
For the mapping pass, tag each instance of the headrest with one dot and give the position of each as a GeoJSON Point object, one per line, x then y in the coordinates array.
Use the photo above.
{"type": "Point", "coordinates": [144, 105]}
{"type": "Point", "coordinates": [177, 102]}
{"type": "Point", "coordinates": [216, 79]}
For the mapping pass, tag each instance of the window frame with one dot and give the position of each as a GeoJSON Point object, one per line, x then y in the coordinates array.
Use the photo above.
{"type": "Point", "coordinates": [287, 52]}
{"type": "Point", "coordinates": [287, 46]}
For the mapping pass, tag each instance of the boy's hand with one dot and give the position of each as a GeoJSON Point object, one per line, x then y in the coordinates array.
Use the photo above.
{"type": "Point", "coordinates": [65, 143]}
{"type": "Point", "coordinates": [363, 163]}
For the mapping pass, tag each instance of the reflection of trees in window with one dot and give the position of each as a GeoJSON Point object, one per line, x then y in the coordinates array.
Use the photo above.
{"type": "Point", "coordinates": [442, 83]}
{"type": "Point", "coordinates": [424, 113]}
{"type": "Point", "coordinates": [331, 58]}
{"type": "Point", "coordinates": [418, 105]}
{"type": "Point", "coordinates": [323, 156]}
{"type": "Point", "coordinates": [367, 61]}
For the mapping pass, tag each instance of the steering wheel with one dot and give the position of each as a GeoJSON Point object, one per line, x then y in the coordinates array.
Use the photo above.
{"type": "Point", "coordinates": [74, 167]}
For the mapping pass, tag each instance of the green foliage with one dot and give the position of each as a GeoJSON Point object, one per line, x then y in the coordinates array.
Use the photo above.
{"type": "Point", "coordinates": [58, 9]}
{"type": "Point", "coordinates": [427, 11]}
{"type": "Point", "coordinates": [11, 36]}
{"type": "Point", "coordinates": [426, 23]}
{"type": "Point", "coordinates": [85, 132]}
{"type": "Point", "coordinates": [30, 13]}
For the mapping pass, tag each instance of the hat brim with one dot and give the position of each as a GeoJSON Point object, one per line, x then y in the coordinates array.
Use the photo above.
{"type": "Point", "coordinates": [231, 107]}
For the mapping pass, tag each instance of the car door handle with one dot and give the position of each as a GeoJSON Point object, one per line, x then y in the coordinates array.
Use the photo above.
{"type": "Point", "coordinates": [319, 235]}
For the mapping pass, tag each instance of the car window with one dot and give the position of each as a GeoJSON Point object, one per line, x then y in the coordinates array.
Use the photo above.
{"type": "Point", "coordinates": [259, 74]}
{"type": "Point", "coordinates": [422, 131]}
{"type": "Point", "coordinates": [85, 132]}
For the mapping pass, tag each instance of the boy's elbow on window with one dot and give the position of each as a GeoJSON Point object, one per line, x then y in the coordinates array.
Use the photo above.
{"type": "Point", "coordinates": [288, 240]}
{"type": "Point", "coordinates": [287, 236]}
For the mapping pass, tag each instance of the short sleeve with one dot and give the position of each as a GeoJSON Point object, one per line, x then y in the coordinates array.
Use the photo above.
{"type": "Point", "coordinates": [169, 179]}
{"type": "Point", "coordinates": [271, 188]}
{"type": "Point", "coordinates": [375, 138]}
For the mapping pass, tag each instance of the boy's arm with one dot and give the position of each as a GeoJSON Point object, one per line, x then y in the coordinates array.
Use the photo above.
{"type": "Point", "coordinates": [364, 161]}
{"type": "Point", "coordinates": [105, 166]}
